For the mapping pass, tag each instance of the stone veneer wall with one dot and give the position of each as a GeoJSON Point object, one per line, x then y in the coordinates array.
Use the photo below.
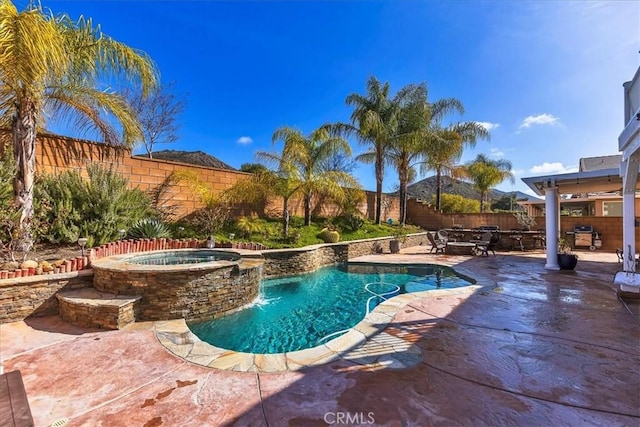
{"type": "Point", "coordinates": [286, 262]}
{"type": "Point", "coordinates": [100, 316]}
{"type": "Point", "coordinates": [183, 294]}
{"type": "Point", "coordinates": [35, 296]}
{"type": "Point", "coordinates": [192, 295]}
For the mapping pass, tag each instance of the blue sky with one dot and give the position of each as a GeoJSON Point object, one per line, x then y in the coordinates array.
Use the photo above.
{"type": "Point", "coordinates": [546, 77]}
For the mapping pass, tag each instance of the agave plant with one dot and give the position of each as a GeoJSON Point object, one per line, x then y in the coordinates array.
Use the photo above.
{"type": "Point", "coordinates": [149, 228]}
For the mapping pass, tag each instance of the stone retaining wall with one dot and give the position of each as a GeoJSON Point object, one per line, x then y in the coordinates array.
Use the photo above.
{"type": "Point", "coordinates": [188, 293]}
{"type": "Point", "coordinates": [35, 296]}
{"type": "Point", "coordinates": [286, 262]}
{"type": "Point", "coordinates": [192, 295]}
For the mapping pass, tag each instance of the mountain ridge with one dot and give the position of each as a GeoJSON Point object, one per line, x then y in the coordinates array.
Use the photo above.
{"type": "Point", "coordinates": [198, 158]}
{"type": "Point", "coordinates": [425, 189]}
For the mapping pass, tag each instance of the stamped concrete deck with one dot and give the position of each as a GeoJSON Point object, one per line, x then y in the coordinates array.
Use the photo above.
{"type": "Point", "coordinates": [531, 347]}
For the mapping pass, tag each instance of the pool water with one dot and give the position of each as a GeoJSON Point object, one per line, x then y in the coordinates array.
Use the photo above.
{"type": "Point", "coordinates": [295, 312]}
{"type": "Point", "coordinates": [183, 257]}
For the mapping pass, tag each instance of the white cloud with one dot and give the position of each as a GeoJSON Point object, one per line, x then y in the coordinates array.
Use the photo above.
{"type": "Point", "coordinates": [495, 152]}
{"type": "Point", "coordinates": [552, 168]}
{"type": "Point", "coordinates": [540, 119]}
{"type": "Point", "coordinates": [488, 125]}
{"type": "Point", "coordinates": [244, 140]}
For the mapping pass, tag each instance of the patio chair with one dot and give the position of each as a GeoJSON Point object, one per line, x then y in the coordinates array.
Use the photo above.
{"type": "Point", "coordinates": [443, 236]}
{"type": "Point", "coordinates": [483, 248]}
{"type": "Point", "coordinates": [436, 245]}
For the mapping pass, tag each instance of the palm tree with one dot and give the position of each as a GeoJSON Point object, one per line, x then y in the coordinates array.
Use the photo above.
{"type": "Point", "coordinates": [372, 122]}
{"type": "Point", "coordinates": [262, 185]}
{"type": "Point", "coordinates": [53, 64]}
{"type": "Point", "coordinates": [445, 145]}
{"type": "Point", "coordinates": [302, 163]}
{"type": "Point", "coordinates": [406, 145]}
{"type": "Point", "coordinates": [421, 138]}
{"type": "Point", "coordinates": [486, 173]}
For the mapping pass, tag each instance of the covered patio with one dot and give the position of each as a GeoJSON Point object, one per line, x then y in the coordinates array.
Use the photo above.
{"type": "Point", "coordinates": [623, 179]}
{"type": "Point", "coordinates": [551, 187]}
{"type": "Point", "coordinates": [629, 145]}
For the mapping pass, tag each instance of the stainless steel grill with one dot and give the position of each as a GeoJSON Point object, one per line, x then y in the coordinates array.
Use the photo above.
{"type": "Point", "coordinates": [583, 235]}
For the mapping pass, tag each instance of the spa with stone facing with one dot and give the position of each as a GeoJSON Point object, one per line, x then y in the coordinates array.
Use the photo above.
{"type": "Point", "coordinates": [197, 290]}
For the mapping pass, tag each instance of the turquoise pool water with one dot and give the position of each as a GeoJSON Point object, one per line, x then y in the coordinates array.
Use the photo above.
{"type": "Point", "coordinates": [183, 257]}
{"type": "Point", "coordinates": [294, 312]}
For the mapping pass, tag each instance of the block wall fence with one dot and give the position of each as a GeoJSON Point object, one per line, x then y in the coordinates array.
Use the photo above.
{"type": "Point", "coordinates": [56, 154]}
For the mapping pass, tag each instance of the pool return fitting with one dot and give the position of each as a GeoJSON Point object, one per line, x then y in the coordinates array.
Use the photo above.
{"type": "Point", "coordinates": [385, 296]}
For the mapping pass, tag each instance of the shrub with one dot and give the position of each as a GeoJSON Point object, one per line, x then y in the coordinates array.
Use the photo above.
{"type": "Point", "coordinates": [351, 222]}
{"type": "Point", "coordinates": [149, 228]}
{"type": "Point", "coordinates": [213, 216]}
{"type": "Point", "coordinates": [8, 209]}
{"type": "Point", "coordinates": [294, 236]}
{"type": "Point", "coordinates": [329, 236]}
{"type": "Point", "coordinates": [96, 208]}
{"type": "Point", "coordinates": [524, 220]}
{"type": "Point", "coordinates": [400, 233]}
{"type": "Point", "coordinates": [296, 221]}
{"type": "Point", "coordinates": [247, 226]}
{"type": "Point", "coordinates": [454, 203]}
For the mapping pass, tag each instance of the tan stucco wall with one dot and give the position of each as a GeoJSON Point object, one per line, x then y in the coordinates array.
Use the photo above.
{"type": "Point", "coordinates": [55, 154]}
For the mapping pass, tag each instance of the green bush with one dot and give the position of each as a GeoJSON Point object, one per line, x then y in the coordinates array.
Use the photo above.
{"type": "Point", "coordinates": [246, 226]}
{"type": "Point", "coordinates": [182, 229]}
{"type": "Point", "coordinates": [71, 206]}
{"type": "Point", "coordinates": [454, 203]}
{"type": "Point", "coordinates": [7, 173]}
{"type": "Point", "coordinates": [212, 217]}
{"type": "Point", "coordinates": [296, 221]}
{"type": "Point", "coordinates": [350, 222]}
{"type": "Point", "coordinates": [149, 228]}
{"type": "Point", "coordinates": [9, 212]}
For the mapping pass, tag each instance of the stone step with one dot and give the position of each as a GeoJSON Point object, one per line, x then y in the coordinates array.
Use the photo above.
{"type": "Point", "coordinates": [94, 309]}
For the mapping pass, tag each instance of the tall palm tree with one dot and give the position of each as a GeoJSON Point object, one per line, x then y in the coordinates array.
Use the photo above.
{"type": "Point", "coordinates": [420, 137]}
{"type": "Point", "coordinates": [445, 146]}
{"type": "Point", "coordinates": [372, 122]}
{"type": "Point", "coordinates": [54, 64]}
{"type": "Point", "coordinates": [486, 173]}
{"type": "Point", "coordinates": [302, 162]}
{"type": "Point", "coordinates": [406, 144]}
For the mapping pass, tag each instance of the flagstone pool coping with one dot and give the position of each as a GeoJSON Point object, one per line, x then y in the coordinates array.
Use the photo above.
{"type": "Point", "coordinates": [365, 343]}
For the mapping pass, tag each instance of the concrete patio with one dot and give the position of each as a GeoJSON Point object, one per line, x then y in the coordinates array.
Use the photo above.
{"type": "Point", "coordinates": [531, 347]}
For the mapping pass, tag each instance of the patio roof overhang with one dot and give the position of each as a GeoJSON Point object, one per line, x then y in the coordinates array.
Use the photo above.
{"type": "Point", "coordinates": [603, 180]}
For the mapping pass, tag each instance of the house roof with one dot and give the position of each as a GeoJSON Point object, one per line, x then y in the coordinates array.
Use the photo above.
{"type": "Point", "coordinates": [588, 164]}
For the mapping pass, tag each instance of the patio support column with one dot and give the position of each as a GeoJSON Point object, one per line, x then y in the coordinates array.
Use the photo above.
{"type": "Point", "coordinates": [629, 171]}
{"type": "Point", "coordinates": [552, 212]}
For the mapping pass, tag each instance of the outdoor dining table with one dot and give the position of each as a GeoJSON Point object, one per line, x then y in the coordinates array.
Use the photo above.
{"type": "Point", "coordinates": [460, 248]}
{"type": "Point", "coordinates": [521, 239]}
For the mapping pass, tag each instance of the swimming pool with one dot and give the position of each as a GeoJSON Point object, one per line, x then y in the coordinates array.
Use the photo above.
{"type": "Point", "coordinates": [295, 312]}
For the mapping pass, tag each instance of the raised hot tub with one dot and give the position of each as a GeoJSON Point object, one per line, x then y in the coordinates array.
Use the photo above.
{"type": "Point", "coordinates": [193, 284]}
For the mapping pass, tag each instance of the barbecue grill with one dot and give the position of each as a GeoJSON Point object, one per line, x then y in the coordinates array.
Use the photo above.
{"type": "Point", "coordinates": [583, 237]}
